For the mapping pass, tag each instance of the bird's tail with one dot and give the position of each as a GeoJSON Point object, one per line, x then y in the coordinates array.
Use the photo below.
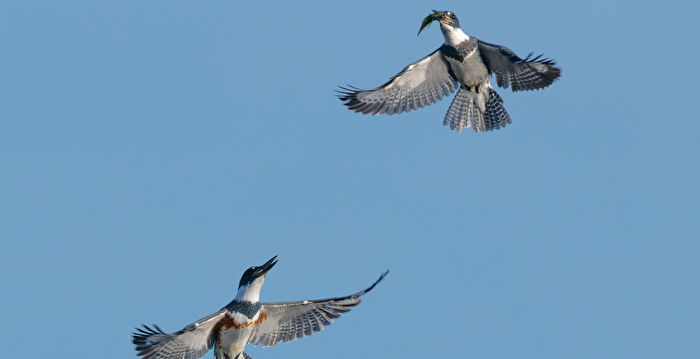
{"type": "Point", "coordinates": [223, 355]}
{"type": "Point", "coordinates": [482, 109]}
{"type": "Point", "coordinates": [495, 116]}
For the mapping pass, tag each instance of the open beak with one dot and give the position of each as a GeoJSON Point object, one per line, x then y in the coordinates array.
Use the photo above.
{"type": "Point", "coordinates": [436, 15]}
{"type": "Point", "coordinates": [442, 17]}
{"type": "Point", "coordinates": [446, 20]}
{"type": "Point", "coordinates": [266, 267]}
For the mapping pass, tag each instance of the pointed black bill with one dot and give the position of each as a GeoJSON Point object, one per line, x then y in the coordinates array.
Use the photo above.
{"type": "Point", "coordinates": [263, 269]}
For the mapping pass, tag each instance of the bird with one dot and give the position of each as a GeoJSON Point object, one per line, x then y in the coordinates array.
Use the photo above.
{"type": "Point", "coordinates": [245, 320]}
{"type": "Point", "coordinates": [463, 63]}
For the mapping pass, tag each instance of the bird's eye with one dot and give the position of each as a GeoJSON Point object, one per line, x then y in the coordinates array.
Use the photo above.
{"type": "Point", "coordinates": [452, 16]}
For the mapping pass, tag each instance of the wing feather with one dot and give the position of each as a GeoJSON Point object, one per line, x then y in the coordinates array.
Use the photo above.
{"type": "Point", "coordinates": [192, 342]}
{"type": "Point", "coordinates": [286, 321]}
{"type": "Point", "coordinates": [419, 84]}
{"type": "Point", "coordinates": [530, 73]}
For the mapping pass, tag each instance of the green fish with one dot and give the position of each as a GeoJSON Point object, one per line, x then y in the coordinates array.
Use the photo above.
{"type": "Point", "coordinates": [436, 15]}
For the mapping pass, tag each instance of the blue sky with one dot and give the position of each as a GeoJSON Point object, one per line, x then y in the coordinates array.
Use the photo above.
{"type": "Point", "coordinates": [151, 151]}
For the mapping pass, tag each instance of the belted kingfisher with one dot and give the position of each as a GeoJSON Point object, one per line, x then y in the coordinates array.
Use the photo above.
{"type": "Point", "coordinates": [245, 320]}
{"type": "Point", "coordinates": [462, 60]}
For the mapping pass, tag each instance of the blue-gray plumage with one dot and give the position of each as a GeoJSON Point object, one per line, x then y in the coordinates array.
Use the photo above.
{"type": "Point", "coordinates": [464, 63]}
{"type": "Point", "coordinates": [245, 321]}
{"type": "Point", "coordinates": [244, 307]}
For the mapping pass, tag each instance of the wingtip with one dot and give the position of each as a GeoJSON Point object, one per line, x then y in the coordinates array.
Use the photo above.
{"type": "Point", "coordinates": [381, 278]}
{"type": "Point", "coordinates": [347, 93]}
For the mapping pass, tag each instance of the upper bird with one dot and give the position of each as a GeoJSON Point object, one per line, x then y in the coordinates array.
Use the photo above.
{"type": "Point", "coordinates": [462, 60]}
{"type": "Point", "coordinates": [245, 320]}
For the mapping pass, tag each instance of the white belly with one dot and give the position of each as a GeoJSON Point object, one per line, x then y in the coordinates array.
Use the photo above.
{"type": "Point", "coordinates": [232, 342]}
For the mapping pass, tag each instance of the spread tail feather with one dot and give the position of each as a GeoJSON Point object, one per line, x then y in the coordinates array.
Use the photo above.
{"type": "Point", "coordinates": [462, 112]}
{"type": "Point", "coordinates": [482, 110]}
{"type": "Point", "coordinates": [495, 116]}
{"type": "Point", "coordinates": [222, 355]}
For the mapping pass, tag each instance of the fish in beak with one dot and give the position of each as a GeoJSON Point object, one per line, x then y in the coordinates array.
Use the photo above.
{"type": "Point", "coordinates": [440, 16]}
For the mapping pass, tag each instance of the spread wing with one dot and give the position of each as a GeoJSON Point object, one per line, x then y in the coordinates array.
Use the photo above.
{"type": "Point", "coordinates": [420, 84]}
{"type": "Point", "coordinates": [292, 320]}
{"type": "Point", "coordinates": [192, 342]}
{"type": "Point", "coordinates": [531, 73]}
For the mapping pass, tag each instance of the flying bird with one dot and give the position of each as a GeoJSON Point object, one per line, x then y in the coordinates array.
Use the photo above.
{"type": "Point", "coordinates": [245, 321]}
{"type": "Point", "coordinates": [462, 63]}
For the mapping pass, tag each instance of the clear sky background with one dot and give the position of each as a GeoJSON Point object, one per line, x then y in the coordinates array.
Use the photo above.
{"type": "Point", "coordinates": [150, 151]}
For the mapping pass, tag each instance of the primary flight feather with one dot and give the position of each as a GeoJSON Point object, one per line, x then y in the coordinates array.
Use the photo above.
{"type": "Point", "coordinates": [462, 63]}
{"type": "Point", "coordinates": [245, 320]}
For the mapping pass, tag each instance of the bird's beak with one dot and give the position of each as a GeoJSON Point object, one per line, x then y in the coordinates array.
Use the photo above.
{"type": "Point", "coordinates": [442, 17]}
{"type": "Point", "coordinates": [266, 267]}
{"type": "Point", "coordinates": [436, 15]}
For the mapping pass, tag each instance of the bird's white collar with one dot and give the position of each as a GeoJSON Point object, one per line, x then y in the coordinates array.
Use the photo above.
{"type": "Point", "coordinates": [453, 36]}
{"type": "Point", "coordinates": [251, 292]}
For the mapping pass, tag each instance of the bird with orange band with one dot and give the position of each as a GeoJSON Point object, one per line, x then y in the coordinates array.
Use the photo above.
{"type": "Point", "coordinates": [245, 321]}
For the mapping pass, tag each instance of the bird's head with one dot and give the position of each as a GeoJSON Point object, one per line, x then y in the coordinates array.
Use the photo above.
{"type": "Point", "coordinates": [256, 272]}
{"type": "Point", "coordinates": [252, 281]}
{"type": "Point", "coordinates": [447, 19]}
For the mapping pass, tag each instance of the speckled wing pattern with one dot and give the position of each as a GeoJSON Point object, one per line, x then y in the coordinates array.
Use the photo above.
{"type": "Point", "coordinates": [531, 73]}
{"type": "Point", "coordinates": [192, 342]}
{"type": "Point", "coordinates": [419, 84]}
{"type": "Point", "coordinates": [293, 320]}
